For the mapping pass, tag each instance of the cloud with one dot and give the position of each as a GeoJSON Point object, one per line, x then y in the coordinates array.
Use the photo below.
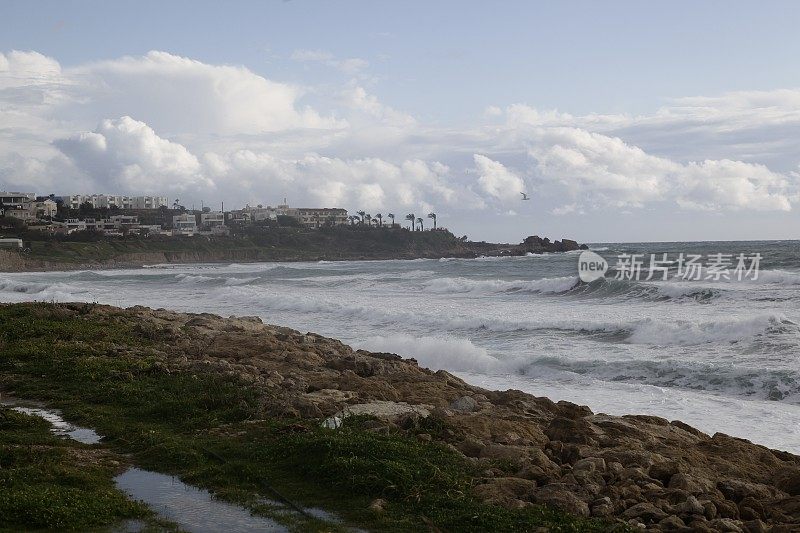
{"type": "Point", "coordinates": [127, 156]}
{"type": "Point", "coordinates": [350, 65]}
{"type": "Point", "coordinates": [367, 183]}
{"type": "Point", "coordinates": [174, 93]}
{"type": "Point", "coordinates": [496, 180]}
{"type": "Point", "coordinates": [605, 171]}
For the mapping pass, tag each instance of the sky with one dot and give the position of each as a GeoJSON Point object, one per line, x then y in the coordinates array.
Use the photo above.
{"type": "Point", "coordinates": [623, 121]}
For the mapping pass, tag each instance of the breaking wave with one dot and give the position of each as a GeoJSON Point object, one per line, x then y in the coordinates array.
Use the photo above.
{"type": "Point", "coordinates": [724, 378]}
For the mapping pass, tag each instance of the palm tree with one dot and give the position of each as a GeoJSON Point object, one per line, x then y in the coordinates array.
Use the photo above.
{"type": "Point", "coordinates": [362, 214]}
{"type": "Point", "coordinates": [433, 216]}
{"type": "Point", "coordinates": [379, 218]}
{"type": "Point", "coordinates": [419, 221]}
{"type": "Point", "coordinates": [412, 217]}
{"type": "Point", "coordinates": [368, 219]}
{"type": "Point", "coordinates": [391, 215]}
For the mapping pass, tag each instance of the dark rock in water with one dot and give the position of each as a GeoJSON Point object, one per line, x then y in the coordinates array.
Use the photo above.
{"type": "Point", "coordinates": [569, 245]}
{"type": "Point", "coordinates": [537, 245]}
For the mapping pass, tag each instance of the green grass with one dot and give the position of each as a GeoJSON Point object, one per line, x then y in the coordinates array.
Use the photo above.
{"type": "Point", "coordinates": [211, 431]}
{"type": "Point", "coordinates": [52, 483]}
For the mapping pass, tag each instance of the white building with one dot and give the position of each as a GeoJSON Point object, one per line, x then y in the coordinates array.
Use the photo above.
{"type": "Point", "coordinates": [149, 202]}
{"type": "Point", "coordinates": [184, 224]}
{"type": "Point", "coordinates": [16, 199]}
{"type": "Point", "coordinates": [315, 217]}
{"type": "Point", "coordinates": [212, 219]}
{"type": "Point", "coordinates": [101, 201]}
{"type": "Point", "coordinates": [10, 243]}
{"type": "Point", "coordinates": [45, 208]}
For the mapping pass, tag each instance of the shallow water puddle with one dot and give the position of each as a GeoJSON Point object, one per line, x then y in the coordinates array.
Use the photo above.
{"type": "Point", "coordinates": [193, 509]}
{"type": "Point", "coordinates": [60, 426]}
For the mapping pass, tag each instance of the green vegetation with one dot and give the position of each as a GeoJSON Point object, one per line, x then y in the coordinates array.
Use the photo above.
{"type": "Point", "coordinates": [209, 429]}
{"type": "Point", "coordinates": [48, 482]}
{"type": "Point", "coordinates": [249, 243]}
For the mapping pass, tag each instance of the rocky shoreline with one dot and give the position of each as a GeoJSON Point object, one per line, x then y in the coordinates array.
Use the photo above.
{"type": "Point", "coordinates": [645, 471]}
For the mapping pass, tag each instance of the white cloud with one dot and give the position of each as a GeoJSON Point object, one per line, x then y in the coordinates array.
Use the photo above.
{"type": "Point", "coordinates": [178, 94]}
{"type": "Point", "coordinates": [605, 171]}
{"type": "Point", "coordinates": [496, 180]}
{"type": "Point", "coordinates": [127, 156]}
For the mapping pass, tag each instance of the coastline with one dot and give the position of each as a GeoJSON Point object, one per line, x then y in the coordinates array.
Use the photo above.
{"type": "Point", "coordinates": [526, 451]}
{"type": "Point", "coordinates": [335, 245]}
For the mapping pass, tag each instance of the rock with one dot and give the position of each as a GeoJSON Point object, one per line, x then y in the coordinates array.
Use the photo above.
{"type": "Point", "coordinates": [690, 484]}
{"type": "Point", "coordinates": [465, 404]}
{"type": "Point", "coordinates": [663, 471]}
{"type": "Point", "coordinates": [671, 523]}
{"type": "Point", "coordinates": [572, 431]}
{"type": "Point", "coordinates": [789, 481]}
{"type": "Point", "coordinates": [509, 453]}
{"type": "Point", "coordinates": [590, 464]}
{"type": "Point", "coordinates": [726, 525]}
{"type": "Point", "coordinates": [505, 490]}
{"type": "Point", "coordinates": [646, 512]}
{"type": "Point", "coordinates": [378, 505]}
{"type": "Point", "coordinates": [755, 526]}
{"type": "Point", "coordinates": [602, 507]}
{"type": "Point", "coordinates": [736, 490]}
{"type": "Point", "coordinates": [690, 507]}
{"type": "Point", "coordinates": [751, 508]}
{"type": "Point", "coordinates": [559, 496]}
{"type": "Point", "coordinates": [470, 447]}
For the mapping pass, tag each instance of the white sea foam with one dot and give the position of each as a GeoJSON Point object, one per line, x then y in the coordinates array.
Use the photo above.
{"type": "Point", "coordinates": [685, 332]}
{"type": "Point", "coordinates": [437, 353]}
{"type": "Point", "coordinates": [487, 286]}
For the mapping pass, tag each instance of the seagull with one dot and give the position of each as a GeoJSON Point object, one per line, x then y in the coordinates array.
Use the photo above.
{"type": "Point", "coordinates": [524, 196]}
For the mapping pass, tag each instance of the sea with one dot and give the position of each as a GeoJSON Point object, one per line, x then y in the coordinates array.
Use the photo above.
{"type": "Point", "coordinates": [718, 350]}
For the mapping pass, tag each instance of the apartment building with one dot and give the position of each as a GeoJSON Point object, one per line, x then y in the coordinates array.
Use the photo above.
{"type": "Point", "coordinates": [184, 224]}
{"type": "Point", "coordinates": [315, 217]}
{"type": "Point", "coordinates": [16, 199]}
{"type": "Point", "coordinates": [101, 201]}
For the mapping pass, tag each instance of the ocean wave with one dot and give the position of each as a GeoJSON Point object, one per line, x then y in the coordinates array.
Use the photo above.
{"type": "Point", "coordinates": [687, 332]}
{"type": "Point", "coordinates": [450, 353]}
{"type": "Point", "coordinates": [18, 290]}
{"type": "Point", "coordinates": [489, 286]}
{"type": "Point", "coordinates": [724, 378]}
{"type": "Point", "coordinates": [649, 290]}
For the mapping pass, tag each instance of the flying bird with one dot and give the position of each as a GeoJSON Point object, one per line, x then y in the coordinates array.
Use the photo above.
{"type": "Point", "coordinates": [524, 196]}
